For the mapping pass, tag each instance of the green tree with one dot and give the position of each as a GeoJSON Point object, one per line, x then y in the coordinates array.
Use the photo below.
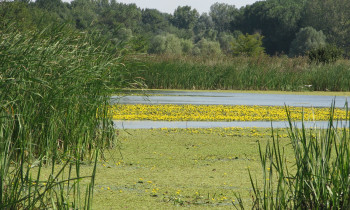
{"type": "Point", "coordinates": [56, 7]}
{"type": "Point", "coordinates": [84, 13]}
{"type": "Point", "coordinates": [204, 28]}
{"type": "Point", "coordinates": [185, 17]}
{"type": "Point", "coordinates": [154, 21]}
{"type": "Point", "coordinates": [25, 16]}
{"type": "Point", "coordinates": [277, 21]}
{"type": "Point", "coordinates": [248, 45]}
{"type": "Point", "coordinates": [307, 39]}
{"type": "Point", "coordinates": [223, 15]}
{"type": "Point", "coordinates": [333, 18]}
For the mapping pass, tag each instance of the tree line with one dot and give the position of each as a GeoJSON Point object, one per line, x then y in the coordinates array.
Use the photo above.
{"type": "Point", "coordinates": [274, 27]}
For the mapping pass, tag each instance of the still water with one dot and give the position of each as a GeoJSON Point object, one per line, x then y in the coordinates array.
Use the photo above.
{"type": "Point", "coordinates": [215, 98]}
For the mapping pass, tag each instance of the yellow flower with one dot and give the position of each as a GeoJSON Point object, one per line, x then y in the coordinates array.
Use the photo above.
{"type": "Point", "coordinates": [217, 113]}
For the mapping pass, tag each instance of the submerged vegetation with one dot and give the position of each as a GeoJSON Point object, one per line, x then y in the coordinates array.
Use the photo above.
{"type": "Point", "coordinates": [220, 113]}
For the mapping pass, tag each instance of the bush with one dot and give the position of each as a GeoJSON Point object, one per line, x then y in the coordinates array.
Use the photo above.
{"type": "Point", "coordinates": [207, 48]}
{"type": "Point", "coordinates": [306, 39]}
{"type": "Point", "coordinates": [157, 45]}
{"type": "Point", "coordinates": [326, 54]}
{"type": "Point", "coordinates": [186, 46]}
{"type": "Point", "coordinates": [168, 43]}
{"type": "Point", "coordinates": [248, 45]}
{"type": "Point", "coordinates": [225, 40]}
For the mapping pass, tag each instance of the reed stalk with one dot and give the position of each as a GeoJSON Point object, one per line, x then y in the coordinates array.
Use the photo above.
{"type": "Point", "coordinates": [54, 87]}
{"type": "Point", "coordinates": [317, 178]}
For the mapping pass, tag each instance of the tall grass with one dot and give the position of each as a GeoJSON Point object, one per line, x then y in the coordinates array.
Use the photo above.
{"type": "Point", "coordinates": [318, 177]}
{"type": "Point", "coordinates": [243, 73]}
{"type": "Point", "coordinates": [54, 85]}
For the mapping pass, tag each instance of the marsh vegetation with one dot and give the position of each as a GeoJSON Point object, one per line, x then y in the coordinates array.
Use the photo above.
{"type": "Point", "coordinates": [54, 88]}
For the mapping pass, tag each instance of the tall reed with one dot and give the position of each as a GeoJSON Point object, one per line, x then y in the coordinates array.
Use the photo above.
{"type": "Point", "coordinates": [317, 178]}
{"type": "Point", "coordinates": [243, 73]}
{"type": "Point", "coordinates": [54, 87]}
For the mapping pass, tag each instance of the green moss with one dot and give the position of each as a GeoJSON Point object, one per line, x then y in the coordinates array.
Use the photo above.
{"type": "Point", "coordinates": [163, 168]}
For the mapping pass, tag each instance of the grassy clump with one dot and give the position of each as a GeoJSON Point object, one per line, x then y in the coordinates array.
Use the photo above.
{"type": "Point", "coordinates": [317, 179]}
{"type": "Point", "coordinates": [54, 85]}
{"type": "Point", "coordinates": [243, 73]}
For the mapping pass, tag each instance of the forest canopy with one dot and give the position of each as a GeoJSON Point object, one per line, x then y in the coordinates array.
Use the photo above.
{"type": "Point", "coordinates": [186, 31]}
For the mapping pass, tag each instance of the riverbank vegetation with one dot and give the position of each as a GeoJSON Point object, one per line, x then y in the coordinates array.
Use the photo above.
{"type": "Point", "coordinates": [242, 73]}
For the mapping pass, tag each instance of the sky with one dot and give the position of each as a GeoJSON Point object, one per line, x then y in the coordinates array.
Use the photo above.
{"type": "Point", "coordinates": [169, 6]}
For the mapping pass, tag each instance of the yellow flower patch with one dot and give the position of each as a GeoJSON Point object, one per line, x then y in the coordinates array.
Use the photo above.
{"type": "Point", "coordinates": [219, 113]}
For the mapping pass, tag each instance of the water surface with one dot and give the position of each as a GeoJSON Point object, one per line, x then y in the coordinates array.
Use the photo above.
{"type": "Point", "coordinates": [219, 98]}
{"type": "Point", "coordinates": [225, 98]}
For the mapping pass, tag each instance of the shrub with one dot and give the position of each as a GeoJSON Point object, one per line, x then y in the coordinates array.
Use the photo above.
{"type": "Point", "coordinates": [186, 46]}
{"type": "Point", "coordinates": [207, 48]}
{"type": "Point", "coordinates": [225, 40]}
{"type": "Point", "coordinates": [306, 39]}
{"type": "Point", "coordinates": [168, 43]}
{"type": "Point", "coordinates": [157, 45]}
{"type": "Point", "coordinates": [326, 54]}
{"type": "Point", "coordinates": [248, 45]}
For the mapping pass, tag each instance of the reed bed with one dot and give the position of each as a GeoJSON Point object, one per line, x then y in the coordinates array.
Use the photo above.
{"type": "Point", "coordinates": [243, 73]}
{"type": "Point", "coordinates": [170, 112]}
{"type": "Point", "coordinates": [317, 178]}
{"type": "Point", "coordinates": [54, 87]}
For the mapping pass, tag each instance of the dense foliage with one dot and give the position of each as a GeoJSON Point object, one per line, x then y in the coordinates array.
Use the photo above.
{"type": "Point", "coordinates": [278, 22]}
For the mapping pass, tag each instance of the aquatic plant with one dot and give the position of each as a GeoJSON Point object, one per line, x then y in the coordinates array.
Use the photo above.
{"type": "Point", "coordinates": [169, 112]}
